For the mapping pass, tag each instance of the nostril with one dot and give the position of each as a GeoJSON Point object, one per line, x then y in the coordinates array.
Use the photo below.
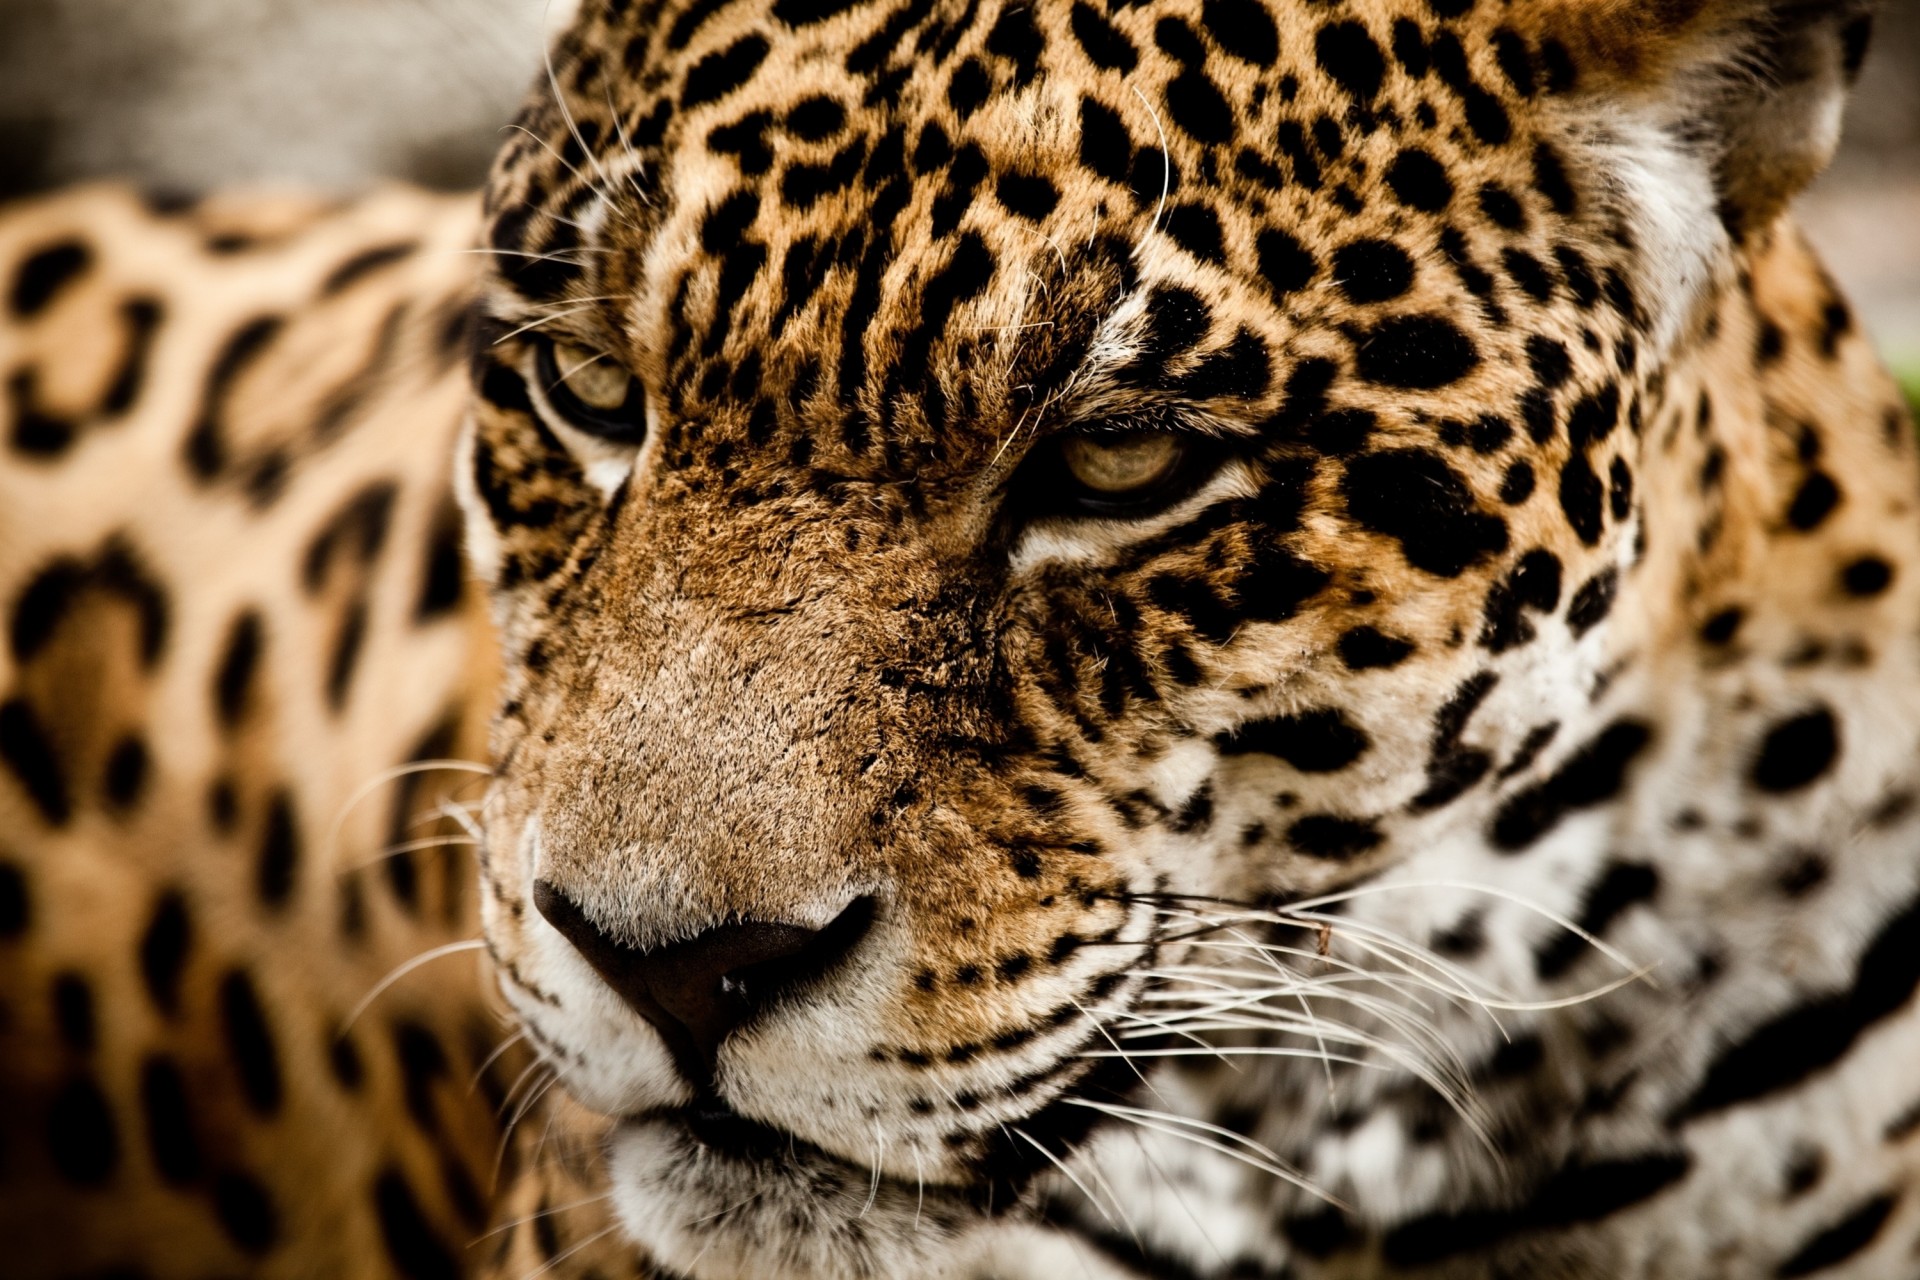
{"type": "Point", "coordinates": [698, 992]}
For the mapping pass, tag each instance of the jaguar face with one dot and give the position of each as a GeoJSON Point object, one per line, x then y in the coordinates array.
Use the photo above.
{"type": "Point", "coordinates": [963, 484]}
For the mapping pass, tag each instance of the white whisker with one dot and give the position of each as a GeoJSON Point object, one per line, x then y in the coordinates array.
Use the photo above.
{"type": "Point", "coordinates": [402, 970]}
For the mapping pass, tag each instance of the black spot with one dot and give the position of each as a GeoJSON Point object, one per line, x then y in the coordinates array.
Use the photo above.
{"type": "Point", "coordinates": [1364, 649]}
{"type": "Point", "coordinates": [1242, 28]}
{"type": "Point", "coordinates": [1533, 584]}
{"type": "Point", "coordinates": [1624, 885]}
{"type": "Point", "coordinates": [1804, 872]}
{"type": "Point", "coordinates": [1619, 489]}
{"type": "Point", "coordinates": [1593, 601]}
{"type": "Point", "coordinates": [126, 773]}
{"type": "Point", "coordinates": [1372, 271]}
{"type": "Point", "coordinates": [422, 1061]}
{"type": "Point", "coordinates": [1518, 484]}
{"type": "Point", "coordinates": [1319, 1234]}
{"type": "Point", "coordinates": [1516, 62]}
{"type": "Point", "coordinates": [1841, 1241]}
{"type": "Point", "coordinates": [250, 1043]}
{"type": "Point", "coordinates": [1197, 602]}
{"type": "Point", "coordinates": [1312, 742]}
{"type": "Point", "coordinates": [1199, 108]}
{"type": "Point", "coordinates": [1722, 626]}
{"type": "Point", "coordinates": [363, 264]}
{"type": "Point", "coordinates": [345, 657]}
{"type": "Point", "coordinates": [1326, 835]}
{"type": "Point", "coordinates": [727, 223]}
{"type": "Point", "coordinates": [1418, 353]}
{"type": "Point", "coordinates": [358, 531]}
{"type": "Point", "coordinates": [245, 1212]}
{"type": "Point", "coordinates": [279, 858]}
{"type": "Point", "coordinates": [1105, 47]}
{"type": "Point", "coordinates": [1179, 42]}
{"type": "Point", "coordinates": [1285, 263]}
{"type": "Point", "coordinates": [44, 273]}
{"type": "Point", "coordinates": [170, 1137]}
{"type": "Point", "coordinates": [1489, 434]}
{"type": "Point", "coordinates": [1420, 182]}
{"type": "Point", "coordinates": [1349, 55]}
{"type": "Point", "coordinates": [1410, 48]}
{"type": "Point", "coordinates": [1242, 370]}
{"type": "Point", "coordinates": [1452, 767]}
{"type": "Point", "coordinates": [1866, 577]}
{"type": "Point", "coordinates": [966, 275]}
{"type": "Point", "coordinates": [1797, 752]}
{"type": "Point", "coordinates": [1550, 180]}
{"type": "Point", "coordinates": [142, 317]}
{"type": "Point", "coordinates": [81, 1135]}
{"type": "Point", "coordinates": [1177, 319]}
{"type": "Point", "coordinates": [1855, 39]}
{"type": "Point", "coordinates": [163, 951]}
{"type": "Point", "coordinates": [16, 912]}
{"type": "Point", "coordinates": [443, 578]}
{"type": "Point", "coordinates": [1785, 1050]}
{"type": "Point", "coordinates": [1592, 775]}
{"type": "Point", "coordinates": [1581, 1191]}
{"type": "Point", "coordinates": [1029, 196]}
{"type": "Point", "coordinates": [1276, 584]}
{"type": "Point", "coordinates": [1414, 497]}
{"type": "Point", "coordinates": [1529, 273]}
{"type": "Point", "coordinates": [1196, 228]}
{"type": "Point", "coordinates": [73, 1012]}
{"type": "Point", "coordinates": [1015, 38]}
{"type": "Point", "coordinates": [233, 679]}
{"type": "Point", "coordinates": [802, 13]}
{"type": "Point", "coordinates": [1815, 501]}
{"type": "Point", "coordinates": [1581, 498]}
{"type": "Point", "coordinates": [36, 431]}
{"type": "Point", "coordinates": [1105, 145]}
{"type": "Point", "coordinates": [1341, 433]}
{"type": "Point", "coordinates": [816, 119]}
{"type": "Point", "coordinates": [206, 447]}
{"type": "Point", "coordinates": [968, 88]}
{"type": "Point", "coordinates": [29, 753]}
{"type": "Point", "coordinates": [718, 74]}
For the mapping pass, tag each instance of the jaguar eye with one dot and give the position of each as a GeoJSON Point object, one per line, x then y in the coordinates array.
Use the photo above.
{"type": "Point", "coordinates": [592, 391]}
{"type": "Point", "coordinates": [1119, 468]}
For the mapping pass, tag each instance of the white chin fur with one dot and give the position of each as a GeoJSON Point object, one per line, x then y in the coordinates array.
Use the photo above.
{"type": "Point", "coordinates": [712, 1217]}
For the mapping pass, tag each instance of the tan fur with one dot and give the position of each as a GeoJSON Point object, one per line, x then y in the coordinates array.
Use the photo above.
{"type": "Point", "coordinates": [801, 651]}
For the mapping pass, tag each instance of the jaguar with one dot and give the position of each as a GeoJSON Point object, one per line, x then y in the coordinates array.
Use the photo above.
{"type": "Point", "coordinates": [979, 638]}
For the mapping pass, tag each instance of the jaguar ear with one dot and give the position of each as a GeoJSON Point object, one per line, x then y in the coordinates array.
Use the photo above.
{"type": "Point", "coordinates": [1757, 87]}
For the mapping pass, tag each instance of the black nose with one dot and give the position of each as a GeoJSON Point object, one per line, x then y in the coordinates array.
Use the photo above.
{"type": "Point", "coordinates": [698, 992]}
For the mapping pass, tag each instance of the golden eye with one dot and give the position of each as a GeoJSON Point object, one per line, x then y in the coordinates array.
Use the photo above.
{"type": "Point", "coordinates": [593, 378]}
{"type": "Point", "coordinates": [592, 391]}
{"type": "Point", "coordinates": [1123, 465]}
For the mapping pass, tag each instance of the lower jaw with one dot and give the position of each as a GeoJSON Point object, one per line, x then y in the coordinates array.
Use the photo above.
{"type": "Point", "coordinates": [713, 1196]}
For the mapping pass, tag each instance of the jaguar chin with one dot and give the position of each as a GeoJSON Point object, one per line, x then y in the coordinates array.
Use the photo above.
{"type": "Point", "coordinates": [709, 1194]}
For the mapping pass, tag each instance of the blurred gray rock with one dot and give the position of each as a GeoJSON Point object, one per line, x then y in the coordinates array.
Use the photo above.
{"type": "Point", "coordinates": [191, 94]}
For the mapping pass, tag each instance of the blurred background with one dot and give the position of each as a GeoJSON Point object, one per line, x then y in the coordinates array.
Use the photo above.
{"type": "Point", "coordinates": [184, 95]}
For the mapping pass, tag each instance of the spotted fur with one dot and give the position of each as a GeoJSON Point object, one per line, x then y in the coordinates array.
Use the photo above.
{"type": "Point", "coordinates": [1466, 830]}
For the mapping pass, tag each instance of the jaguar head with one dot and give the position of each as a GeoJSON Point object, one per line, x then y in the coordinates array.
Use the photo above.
{"type": "Point", "coordinates": [980, 498]}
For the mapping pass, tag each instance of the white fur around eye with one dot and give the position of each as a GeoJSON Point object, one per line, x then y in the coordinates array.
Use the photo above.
{"type": "Point", "coordinates": [606, 464]}
{"type": "Point", "coordinates": [1090, 540]}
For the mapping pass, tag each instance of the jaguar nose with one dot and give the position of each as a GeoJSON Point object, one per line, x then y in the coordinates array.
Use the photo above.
{"type": "Point", "coordinates": [699, 991]}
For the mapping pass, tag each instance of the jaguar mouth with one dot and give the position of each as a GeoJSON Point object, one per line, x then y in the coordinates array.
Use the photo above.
{"type": "Point", "coordinates": [709, 1194]}
{"type": "Point", "coordinates": [726, 1133]}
